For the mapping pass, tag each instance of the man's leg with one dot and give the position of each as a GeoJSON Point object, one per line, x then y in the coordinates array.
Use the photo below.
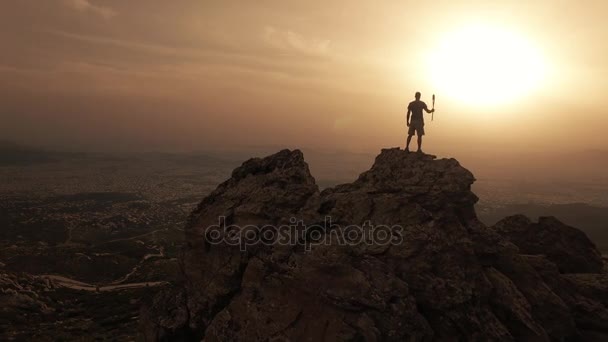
{"type": "Point", "coordinates": [419, 142]}
{"type": "Point", "coordinates": [409, 139]}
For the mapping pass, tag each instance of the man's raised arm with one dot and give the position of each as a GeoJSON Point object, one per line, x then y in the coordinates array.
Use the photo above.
{"type": "Point", "coordinates": [426, 109]}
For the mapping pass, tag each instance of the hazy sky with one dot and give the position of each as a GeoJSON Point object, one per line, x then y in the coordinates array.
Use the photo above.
{"type": "Point", "coordinates": [197, 74]}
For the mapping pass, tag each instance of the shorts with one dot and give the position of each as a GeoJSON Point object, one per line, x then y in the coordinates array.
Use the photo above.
{"type": "Point", "coordinates": [416, 127]}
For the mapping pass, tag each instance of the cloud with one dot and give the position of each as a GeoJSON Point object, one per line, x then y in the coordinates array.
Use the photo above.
{"type": "Point", "coordinates": [88, 6]}
{"type": "Point", "coordinates": [213, 56]}
{"type": "Point", "coordinates": [290, 40]}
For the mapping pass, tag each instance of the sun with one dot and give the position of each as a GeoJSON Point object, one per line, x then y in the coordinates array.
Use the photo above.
{"type": "Point", "coordinates": [481, 65]}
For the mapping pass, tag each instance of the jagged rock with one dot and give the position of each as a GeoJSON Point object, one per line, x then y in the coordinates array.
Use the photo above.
{"type": "Point", "coordinates": [590, 285]}
{"type": "Point", "coordinates": [261, 191]}
{"type": "Point", "coordinates": [440, 275]}
{"type": "Point", "coordinates": [567, 247]}
{"type": "Point", "coordinates": [21, 299]}
{"type": "Point", "coordinates": [19, 292]}
{"type": "Point", "coordinates": [166, 317]}
{"type": "Point", "coordinates": [585, 295]}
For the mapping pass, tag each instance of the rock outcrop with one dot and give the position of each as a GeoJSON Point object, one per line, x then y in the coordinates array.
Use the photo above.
{"type": "Point", "coordinates": [397, 255]}
{"type": "Point", "coordinates": [569, 248]}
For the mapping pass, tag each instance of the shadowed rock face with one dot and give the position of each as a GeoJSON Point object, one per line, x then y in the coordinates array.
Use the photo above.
{"type": "Point", "coordinates": [569, 248]}
{"type": "Point", "coordinates": [443, 275]}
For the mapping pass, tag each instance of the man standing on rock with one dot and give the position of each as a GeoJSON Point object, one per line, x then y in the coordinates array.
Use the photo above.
{"type": "Point", "coordinates": [416, 125]}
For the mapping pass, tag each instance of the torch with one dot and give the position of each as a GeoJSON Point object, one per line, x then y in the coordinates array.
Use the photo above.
{"type": "Point", "coordinates": [433, 114]}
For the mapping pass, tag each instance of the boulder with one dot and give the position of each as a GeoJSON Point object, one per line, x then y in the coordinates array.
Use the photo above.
{"type": "Point", "coordinates": [569, 248]}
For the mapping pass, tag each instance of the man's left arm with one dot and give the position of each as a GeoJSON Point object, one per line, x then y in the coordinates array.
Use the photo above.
{"type": "Point", "coordinates": [426, 109]}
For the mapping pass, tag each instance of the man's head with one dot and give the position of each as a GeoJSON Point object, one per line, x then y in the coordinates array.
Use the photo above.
{"type": "Point", "coordinates": [417, 95]}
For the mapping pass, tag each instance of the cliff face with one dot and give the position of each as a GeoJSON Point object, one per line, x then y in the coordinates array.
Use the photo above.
{"type": "Point", "coordinates": [396, 255]}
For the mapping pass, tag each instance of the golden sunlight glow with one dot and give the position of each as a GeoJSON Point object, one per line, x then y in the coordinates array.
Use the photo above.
{"type": "Point", "coordinates": [485, 66]}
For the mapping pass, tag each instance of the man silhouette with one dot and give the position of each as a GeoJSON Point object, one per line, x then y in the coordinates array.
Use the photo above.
{"type": "Point", "coordinates": [416, 125]}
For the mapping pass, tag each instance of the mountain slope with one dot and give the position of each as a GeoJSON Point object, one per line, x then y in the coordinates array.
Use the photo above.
{"type": "Point", "coordinates": [403, 258]}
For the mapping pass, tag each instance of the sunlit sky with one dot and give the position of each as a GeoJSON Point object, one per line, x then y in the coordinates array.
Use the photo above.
{"type": "Point", "coordinates": [336, 75]}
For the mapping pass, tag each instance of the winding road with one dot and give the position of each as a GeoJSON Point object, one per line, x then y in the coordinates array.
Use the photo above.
{"type": "Point", "coordinates": [61, 281]}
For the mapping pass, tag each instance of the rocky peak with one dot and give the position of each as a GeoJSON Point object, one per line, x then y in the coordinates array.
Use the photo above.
{"type": "Point", "coordinates": [438, 187]}
{"type": "Point", "coordinates": [400, 170]}
{"type": "Point", "coordinates": [403, 257]}
{"type": "Point", "coordinates": [284, 161]}
{"type": "Point", "coordinates": [262, 190]}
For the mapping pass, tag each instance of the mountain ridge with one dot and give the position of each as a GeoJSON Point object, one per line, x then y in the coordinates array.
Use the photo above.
{"type": "Point", "coordinates": [446, 277]}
